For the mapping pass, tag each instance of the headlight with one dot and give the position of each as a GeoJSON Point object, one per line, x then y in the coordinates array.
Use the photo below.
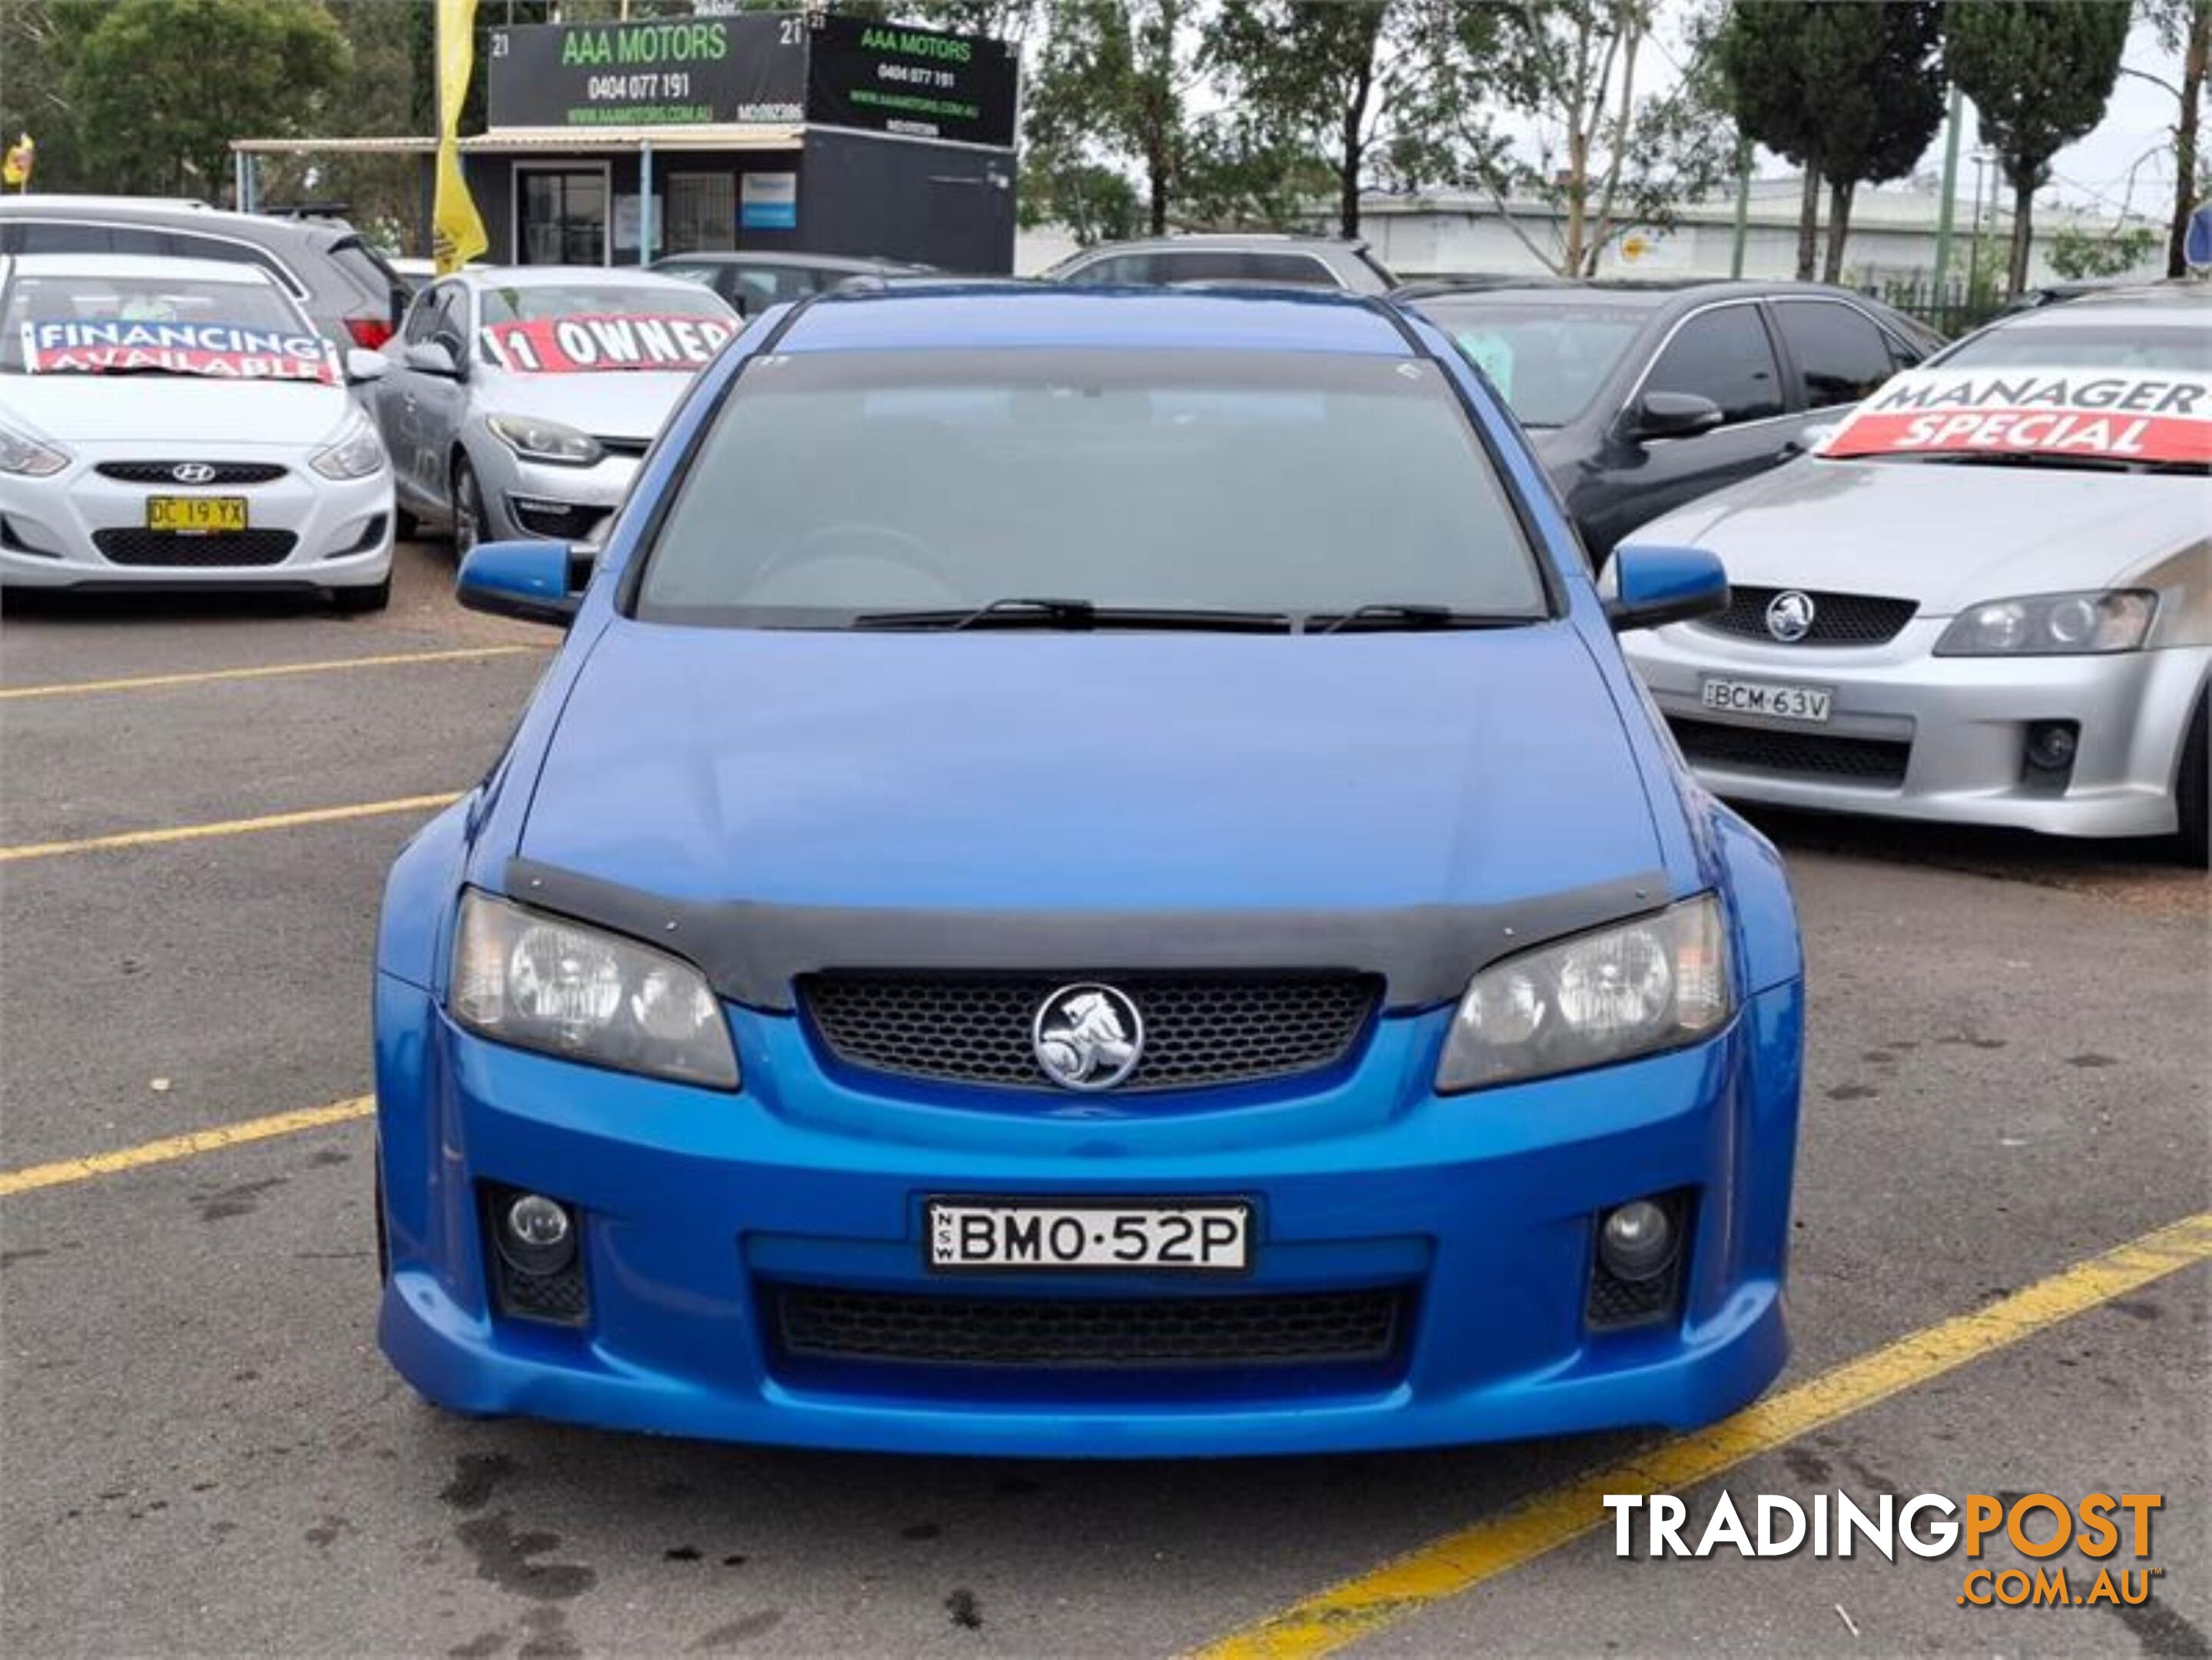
{"type": "Point", "coordinates": [24, 456]}
{"type": "Point", "coordinates": [1656, 983]}
{"type": "Point", "coordinates": [357, 454]}
{"type": "Point", "coordinates": [541, 982]}
{"type": "Point", "coordinates": [2051, 625]}
{"type": "Point", "coordinates": [545, 440]}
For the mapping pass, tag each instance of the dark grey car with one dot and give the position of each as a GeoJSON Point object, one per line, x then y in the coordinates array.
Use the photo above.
{"type": "Point", "coordinates": [1638, 397]}
{"type": "Point", "coordinates": [349, 292]}
{"type": "Point", "coordinates": [752, 282]}
{"type": "Point", "coordinates": [1271, 261]}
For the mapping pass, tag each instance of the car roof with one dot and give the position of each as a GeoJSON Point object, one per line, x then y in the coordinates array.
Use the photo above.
{"type": "Point", "coordinates": [2130, 307]}
{"type": "Point", "coordinates": [1624, 291]}
{"type": "Point", "coordinates": [1260, 241]}
{"type": "Point", "coordinates": [167, 211]}
{"type": "Point", "coordinates": [143, 264]}
{"type": "Point", "coordinates": [964, 315]}
{"type": "Point", "coordinates": [550, 276]}
{"type": "Point", "coordinates": [859, 264]}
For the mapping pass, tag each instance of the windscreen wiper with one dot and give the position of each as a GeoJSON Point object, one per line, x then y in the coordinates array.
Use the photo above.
{"type": "Point", "coordinates": [1377, 618]}
{"type": "Point", "coordinates": [1023, 611]}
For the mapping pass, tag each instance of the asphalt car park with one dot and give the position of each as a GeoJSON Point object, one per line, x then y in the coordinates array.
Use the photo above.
{"type": "Point", "coordinates": [203, 1451]}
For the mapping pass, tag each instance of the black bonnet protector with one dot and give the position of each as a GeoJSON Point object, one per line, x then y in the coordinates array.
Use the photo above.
{"type": "Point", "coordinates": [752, 952]}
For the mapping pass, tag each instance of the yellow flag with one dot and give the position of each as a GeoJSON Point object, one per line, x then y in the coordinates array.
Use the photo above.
{"type": "Point", "coordinates": [456, 234]}
{"type": "Point", "coordinates": [15, 166]}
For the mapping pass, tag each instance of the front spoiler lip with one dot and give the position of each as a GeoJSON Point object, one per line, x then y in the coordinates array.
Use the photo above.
{"type": "Point", "coordinates": [451, 1357]}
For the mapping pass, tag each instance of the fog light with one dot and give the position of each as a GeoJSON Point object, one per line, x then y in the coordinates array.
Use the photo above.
{"type": "Point", "coordinates": [2050, 745]}
{"type": "Point", "coordinates": [536, 1235]}
{"type": "Point", "coordinates": [1635, 1241]}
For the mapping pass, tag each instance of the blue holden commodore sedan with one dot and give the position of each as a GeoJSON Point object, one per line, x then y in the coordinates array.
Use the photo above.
{"type": "Point", "coordinates": [1089, 880]}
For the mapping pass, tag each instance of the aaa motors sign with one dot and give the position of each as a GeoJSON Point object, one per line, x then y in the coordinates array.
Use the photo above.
{"type": "Point", "coordinates": [580, 344]}
{"type": "Point", "coordinates": [2146, 416]}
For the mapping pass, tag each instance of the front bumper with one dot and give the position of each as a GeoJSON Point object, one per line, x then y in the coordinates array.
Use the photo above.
{"type": "Point", "coordinates": [545, 501]}
{"type": "Point", "coordinates": [1481, 1210]}
{"type": "Point", "coordinates": [1957, 725]}
{"type": "Point", "coordinates": [324, 532]}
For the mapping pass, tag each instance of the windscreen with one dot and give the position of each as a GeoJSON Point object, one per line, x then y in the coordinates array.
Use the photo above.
{"type": "Point", "coordinates": [1546, 361]}
{"type": "Point", "coordinates": [156, 325]}
{"type": "Point", "coordinates": [837, 483]}
{"type": "Point", "coordinates": [2174, 346]}
{"type": "Point", "coordinates": [588, 327]}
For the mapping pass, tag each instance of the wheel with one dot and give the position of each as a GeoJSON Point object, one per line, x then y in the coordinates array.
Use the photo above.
{"type": "Point", "coordinates": [352, 602]}
{"type": "Point", "coordinates": [468, 508]}
{"type": "Point", "coordinates": [2192, 785]}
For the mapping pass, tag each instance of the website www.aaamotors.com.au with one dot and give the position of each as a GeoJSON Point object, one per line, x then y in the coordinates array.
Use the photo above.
{"type": "Point", "coordinates": [2110, 1533]}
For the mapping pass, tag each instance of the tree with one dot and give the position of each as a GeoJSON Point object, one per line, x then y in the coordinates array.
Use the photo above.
{"type": "Point", "coordinates": [2076, 255]}
{"type": "Point", "coordinates": [1851, 93]}
{"type": "Point", "coordinates": [1603, 156]}
{"type": "Point", "coordinates": [2039, 73]}
{"type": "Point", "coordinates": [1116, 76]}
{"type": "Point", "coordinates": [38, 43]}
{"type": "Point", "coordinates": [162, 87]}
{"type": "Point", "coordinates": [1095, 202]}
{"type": "Point", "coordinates": [2182, 27]}
{"type": "Point", "coordinates": [1351, 80]}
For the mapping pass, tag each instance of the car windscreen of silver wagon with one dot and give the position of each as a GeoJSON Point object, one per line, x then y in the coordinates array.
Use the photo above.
{"type": "Point", "coordinates": [1092, 489]}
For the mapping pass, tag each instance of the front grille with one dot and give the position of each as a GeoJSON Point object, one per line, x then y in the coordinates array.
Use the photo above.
{"type": "Point", "coordinates": [163, 472]}
{"type": "Point", "coordinates": [625, 446]}
{"type": "Point", "coordinates": [559, 521]}
{"type": "Point", "coordinates": [1808, 754]}
{"type": "Point", "coordinates": [1839, 619]}
{"type": "Point", "coordinates": [134, 546]}
{"type": "Point", "coordinates": [1199, 1031]}
{"type": "Point", "coordinates": [1095, 1332]}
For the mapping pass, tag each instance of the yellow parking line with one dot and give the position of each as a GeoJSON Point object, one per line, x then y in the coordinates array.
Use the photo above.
{"type": "Point", "coordinates": [268, 671]}
{"type": "Point", "coordinates": [273, 821]}
{"type": "Point", "coordinates": [1459, 1561]}
{"type": "Point", "coordinates": [66, 1170]}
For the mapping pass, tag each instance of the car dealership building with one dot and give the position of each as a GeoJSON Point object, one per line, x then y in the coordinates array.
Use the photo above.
{"type": "Point", "coordinates": [615, 143]}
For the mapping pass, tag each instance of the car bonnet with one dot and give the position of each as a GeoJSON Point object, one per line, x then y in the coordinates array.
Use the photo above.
{"type": "Point", "coordinates": [985, 800]}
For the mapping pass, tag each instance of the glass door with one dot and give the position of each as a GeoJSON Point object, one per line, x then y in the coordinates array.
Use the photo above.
{"type": "Point", "coordinates": [560, 217]}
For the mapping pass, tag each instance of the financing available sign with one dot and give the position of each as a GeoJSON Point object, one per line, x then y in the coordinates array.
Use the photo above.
{"type": "Point", "coordinates": [220, 351]}
{"type": "Point", "coordinates": [2153, 415]}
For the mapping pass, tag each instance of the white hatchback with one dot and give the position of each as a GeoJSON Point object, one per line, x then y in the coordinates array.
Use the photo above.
{"type": "Point", "coordinates": [172, 423]}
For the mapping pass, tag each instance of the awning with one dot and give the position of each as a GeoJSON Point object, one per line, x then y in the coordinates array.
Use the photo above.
{"type": "Point", "coordinates": [750, 135]}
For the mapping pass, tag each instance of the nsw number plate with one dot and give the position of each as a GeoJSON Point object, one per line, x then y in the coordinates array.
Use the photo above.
{"type": "Point", "coordinates": [196, 515]}
{"type": "Point", "coordinates": [971, 1234]}
{"type": "Point", "coordinates": [1764, 697]}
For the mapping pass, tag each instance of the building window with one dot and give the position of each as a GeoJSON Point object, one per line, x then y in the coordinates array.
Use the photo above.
{"type": "Point", "coordinates": [702, 213]}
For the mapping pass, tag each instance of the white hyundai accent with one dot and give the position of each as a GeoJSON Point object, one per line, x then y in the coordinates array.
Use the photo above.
{"type": "Point", "coordinates": [172, 423]}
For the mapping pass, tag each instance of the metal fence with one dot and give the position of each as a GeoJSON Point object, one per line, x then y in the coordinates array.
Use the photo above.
{"type": "Point", "coordinates": [1952, 309]}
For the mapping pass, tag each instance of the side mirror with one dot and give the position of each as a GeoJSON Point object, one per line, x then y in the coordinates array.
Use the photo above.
{"type": "Point", "coordinates": [1655, 586]}
{"type": "Point", "coordinates": [536, 581]}
{"type": "Point", "coordinates": [432, 358]}
{"type": "Point", "coordinates": [362, 367]}
{"type": "Point", "coordinates": [1673, 415]}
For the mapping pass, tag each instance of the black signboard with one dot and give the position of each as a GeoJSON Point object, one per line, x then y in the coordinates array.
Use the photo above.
{"type": "Point", "coordinates": [689, 71]}
{"type": "Point", "coordinates": [881, 77]}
